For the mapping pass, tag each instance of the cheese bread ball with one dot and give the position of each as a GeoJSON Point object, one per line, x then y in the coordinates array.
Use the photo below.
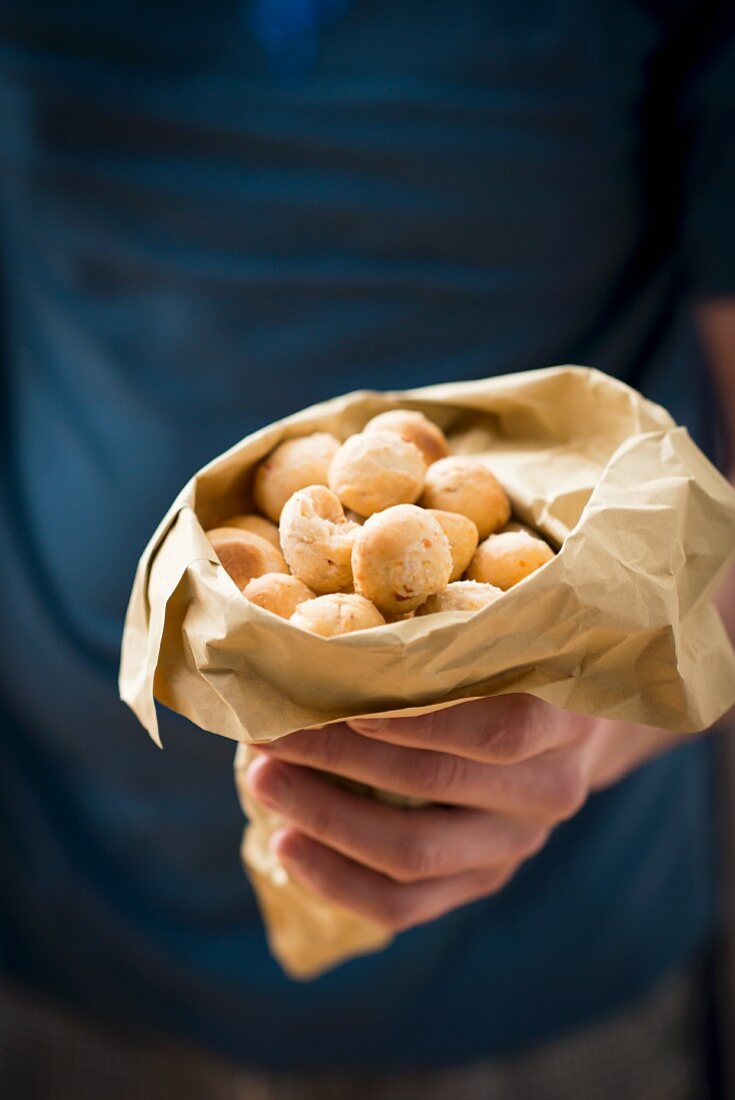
{"type": "Point", "coordinates": [463, 539]}
{"type": "Point", "coordinates": [293, 465]}
{"type": "Point", "coordinates": [466, 486]}
{"type": "Point", "coordinates": [245, 555]}
{"type": "Point", "coordinates": [338, 613]}
{"type": "Point", "coordinates": [461, 596]}
{"type": "Point", "coordinates": [258, 525]}
{"type": "Point", "coordinates": [507, 558]}
{"type": "Point", "coordinates": [516, 525]}
{"type": "Point", "coordinates": [317, 539]}
{"type": "Point", "coordinates": [375, 471]}
{"type": "Point", "coordinates": [415, 428]}
{"type": "Point", "coordinates": [278, 592]}
{"type": "Point", "coordinates": [401, 557]}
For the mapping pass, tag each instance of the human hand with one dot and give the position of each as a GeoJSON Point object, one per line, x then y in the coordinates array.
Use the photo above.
{"type": "Point", "coordinates": [500, 774]}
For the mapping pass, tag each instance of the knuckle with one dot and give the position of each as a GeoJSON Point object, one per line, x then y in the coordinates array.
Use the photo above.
{"type": "Point", "coordinates": [416, 859]}
{"type": "Point", "coordinates": [328, 748]}
{"type": "Point", "coordinates": [533, 842]}
{"type": "Point", "coordinates": [497, 879]}
{"type": "Point", "coordinates": [536, 718]}
{"type": "Point", "coordinates": [424, 729]}
{"type": "Point", "coordinates": [394, 912]}
{"type": "Point", "coordinates": [513, 731]}
{"type": "Point", "coordinates": [502, 877]}
{"type": "Point", "coordinates": [435, 774]}
{"type": "Point", "coordinates": [569, 789]}
{"type": "Point", "coordinates": [531, 722]}
{"type": "Point", "coordinates": [504, 744]}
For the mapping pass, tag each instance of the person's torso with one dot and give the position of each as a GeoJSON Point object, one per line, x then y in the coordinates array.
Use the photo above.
{"type": "Point", "coordinates": [194, 245]}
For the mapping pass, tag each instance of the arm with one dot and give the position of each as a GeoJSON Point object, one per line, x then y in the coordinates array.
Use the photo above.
{"type": "Point", "coordinates": [716, 322]}
{"type": "Point", "coordinates": [505, 771]}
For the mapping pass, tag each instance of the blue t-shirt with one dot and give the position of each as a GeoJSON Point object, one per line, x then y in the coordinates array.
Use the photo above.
{"type": "Point", "coordinates": [197, 239]}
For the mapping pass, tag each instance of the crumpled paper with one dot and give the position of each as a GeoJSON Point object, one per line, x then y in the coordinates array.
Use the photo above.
{"type": "Point", "coordinates": [620, 624]}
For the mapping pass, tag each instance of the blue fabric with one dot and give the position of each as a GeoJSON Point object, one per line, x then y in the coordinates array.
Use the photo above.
{"type": "Point", "coordinates": [192, 247]}
{"type": "Point", "coordinates": [288, 30]}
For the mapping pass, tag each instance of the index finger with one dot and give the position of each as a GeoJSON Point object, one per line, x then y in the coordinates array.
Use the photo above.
{"type": "Point", "coordinates": [505, 729]}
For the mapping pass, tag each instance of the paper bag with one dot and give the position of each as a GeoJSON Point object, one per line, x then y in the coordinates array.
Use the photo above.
{"type": "Point", "coordinates": [620, 624]}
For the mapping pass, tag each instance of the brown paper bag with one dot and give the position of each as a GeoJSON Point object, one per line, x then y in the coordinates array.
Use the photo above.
{"type": "Point", "coordinates": [620, 624]}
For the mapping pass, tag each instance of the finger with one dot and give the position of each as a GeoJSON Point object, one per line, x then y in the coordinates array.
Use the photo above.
{"type": "Point", "coordinates": [406, 845]}
{"type": "Point", "coordinates": [506, 729]}
{"type": "Point", "coordinates": [546, 787]}
{"type": "Point", "coordinates": [395, 906]}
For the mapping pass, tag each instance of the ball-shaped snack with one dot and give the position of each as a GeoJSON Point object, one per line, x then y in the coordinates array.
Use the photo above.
{"type": "Point", "coordinates": [245, 555]}
{"type": "Point", "coordinates": [278, 592]}
{"type": "Point", "coordinates": [516, 525]}
{"type": "Point", "coordinates": [399, 618]}
{"type": "Point", "coordinates": [461, 596]}
{"type": "Point", "coordinates": [464, 485]}
{"type": "Point", "coordinates": [375, 471]}
{"type": "Point", "coordinates": [415, 428]}
{"type": "Point", "coordinates": [507, 558]}
{"type": "Point", "coordinates": [291, 466]}
{"type": "Point", "coordinates": [400, 558]}
{"type": "Point", "coordinates": [463, 539]}
{"type": "Point", "coordinates": [317, 539]}
{"type": "Point", "coordinates": [259, 525]}
{"type": "Point", "coordinates": [337, 613]}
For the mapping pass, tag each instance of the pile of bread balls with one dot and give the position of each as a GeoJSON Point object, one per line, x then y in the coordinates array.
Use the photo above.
{"type": "Point", "coordinates": [379, 528]}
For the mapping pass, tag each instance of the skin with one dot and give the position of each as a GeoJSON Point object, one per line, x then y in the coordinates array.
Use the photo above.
{"type": "Point", "coordinates": [505, 772]}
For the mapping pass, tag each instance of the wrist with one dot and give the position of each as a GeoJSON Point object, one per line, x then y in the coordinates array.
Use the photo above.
{"type": "Point", "coordinates": [618, 747]}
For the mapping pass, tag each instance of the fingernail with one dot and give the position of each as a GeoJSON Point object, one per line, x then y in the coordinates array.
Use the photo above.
{"type": "Point", "coordinates": [271, 786]}
{"type": "Point", "coordinates": [285, 846]}
{"type": "Point", "coordinates": [275, 839]}
{"type": "Point", "coordinates": [367, 725]}
{"type": "Point", "coordinates": [278, 873]}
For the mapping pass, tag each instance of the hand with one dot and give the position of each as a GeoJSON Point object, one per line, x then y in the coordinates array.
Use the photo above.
{"type": "Point", "coordinates": [504, 772]}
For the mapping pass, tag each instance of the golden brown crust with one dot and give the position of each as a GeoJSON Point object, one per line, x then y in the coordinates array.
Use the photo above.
{"type": "Point", "coordinates": [401, 557]}
{"type": "Point", "coordinates": [415, 428]}
{"type": "Point", "coordinates": [507, 558]}
{"type": "Point", "coordinates": [463, 538]}
{"type": "Point", "coordinates": [278, 592]}
{"type": "Point", "coordinates": [245, 555]}
{"type": "Point", "coordinates": [317, 539]}
{"type": "Point", "coordinates": [259, 525]}
{"type": "Point", "coordinates": [337, 613]}
{"type": "Point", "coordinates": [291, 466]}
{"type": "Point", "coordinates": [461, 596]}
{"type": "Point", "coordinates": [466, 486]}
{"type": "Point", "coordinates": [516, 525]}
{"type": "Point", "coordinates": [376, 471]}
